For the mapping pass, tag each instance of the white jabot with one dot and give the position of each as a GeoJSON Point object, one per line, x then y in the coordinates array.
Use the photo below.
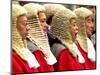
{"type": "Point", "coordinates": [50, 58]}
{"type": "Point", "coordinates": [91, 50]}
{"type": "Point", "coordinates": [32, 61]}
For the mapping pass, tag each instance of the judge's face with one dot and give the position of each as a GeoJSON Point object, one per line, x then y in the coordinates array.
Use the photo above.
{"type": "Point", "coordinates": [22, 26]}
{"type": "Point", "coordinates": [42, 19]}
{"type": "Point", "coordinates": [73, 28]}
{"type": "Point", "coordinates": [89, 26]}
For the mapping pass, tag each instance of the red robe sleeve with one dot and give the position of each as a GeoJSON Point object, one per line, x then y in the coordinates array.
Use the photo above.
{"type": "Point", "coordinates": [20, 66]}
{"type": "Point", "coordinates": [44, 67]}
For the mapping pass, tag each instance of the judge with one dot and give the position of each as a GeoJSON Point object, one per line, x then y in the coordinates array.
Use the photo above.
{"type": "Point", "coordinates": [23, 61]}
{"type": "Point", "coordinates": [85, 24]}
{"type": "Point", "coordinates": [38, 40]}
{"type": "Point", "coordinates": [64, 27]}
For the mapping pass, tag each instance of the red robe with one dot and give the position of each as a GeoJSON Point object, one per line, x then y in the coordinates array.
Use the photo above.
{"type": "Point", "coordinates": [67, 62]}
{"type": "Point", "coordinates": [20, 66]}
{"type": "Point", "coordinates": [88, 63]}
{"type": "Point", "coordinates": [44, 67]}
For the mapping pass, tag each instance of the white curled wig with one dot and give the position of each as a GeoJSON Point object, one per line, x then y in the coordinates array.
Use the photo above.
{"type": "Point", "coordinates": [51, 9]}
{"type": "Point", "coordinates": [82, 13]}
{"type": "Point", "coordinates": [17, 43]}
